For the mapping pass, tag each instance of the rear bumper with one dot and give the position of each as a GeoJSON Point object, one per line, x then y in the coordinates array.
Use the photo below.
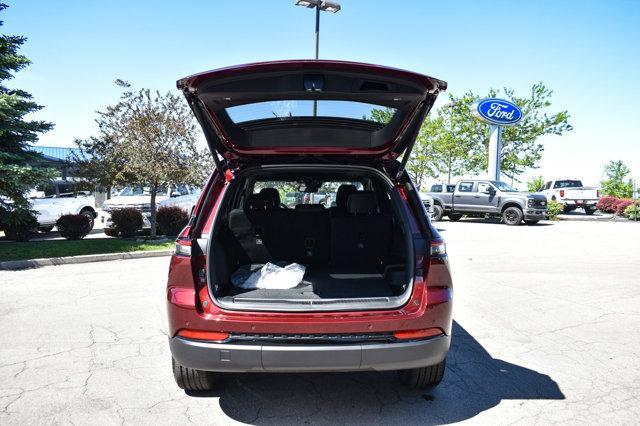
{"type": "Point", "coordinates": [580, 203]}
{"type": "Point", "coordinates": [308, 358]}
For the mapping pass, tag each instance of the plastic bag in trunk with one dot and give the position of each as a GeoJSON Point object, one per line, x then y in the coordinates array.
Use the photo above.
{"type": "Point", "coordinates": [270, 276]}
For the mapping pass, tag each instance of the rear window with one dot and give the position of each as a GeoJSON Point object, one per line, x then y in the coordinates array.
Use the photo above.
{"type": "Point", "coordinates": [465, 187]}
{"type": "Point", "coordinates": [567, 184]}
{"type": "Point", "coordinates": [293, 193]}
{"type": "Point", "coordinates": [304, 108]}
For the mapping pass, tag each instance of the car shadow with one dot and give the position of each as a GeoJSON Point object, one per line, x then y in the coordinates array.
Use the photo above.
{"type": "Point", "coordinates": [474, 381]}
{"type": "Point", "coordinates": [493, 221]}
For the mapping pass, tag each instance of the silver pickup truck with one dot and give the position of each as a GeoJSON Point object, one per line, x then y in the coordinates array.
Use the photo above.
{"type": "Point", "coordinates": [487, 198]}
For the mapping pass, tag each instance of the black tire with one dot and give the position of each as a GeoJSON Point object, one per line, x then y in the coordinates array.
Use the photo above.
{"type": "Point", "coordinates": [454, 217]}
{"type": "Point", "coordinates": [422, 378]}
{"type": "Point", "coordinates": [438, 212]}
{"type": "Point", "coordinates": [89, 214]}
{"type": "Point", "coordinates": [45, 229]}
{"type": "Point", "coordinates": [531, 222]}
{"type": "Point", "coordinates": [567, 209]}
{"type": "Point", "coordinates": [512, 216]}
{"type": "Point", "coordinates": [589, 211]}
{"type": "Point", "coordinates": [190, 379]}
{"type": "Point", "coordinates": [111, 232]}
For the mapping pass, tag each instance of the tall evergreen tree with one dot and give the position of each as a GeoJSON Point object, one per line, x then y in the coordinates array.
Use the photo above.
{"type": "Point", "coordinates": [16, 133]}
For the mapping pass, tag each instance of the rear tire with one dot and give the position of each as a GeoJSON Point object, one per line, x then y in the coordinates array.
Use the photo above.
{"type": "Point", "coordinates": [512, 216]}
{"type": "Point", "coordinates": [190, 379]}
{"type": "Point", "coordinates": [438, 211]}
{"type": "Point", "coordinates": [424, 377]}
{"type": "Point", "coordinates": [588, 211]}
{"type": "Point", "coordinates": [454, 217]}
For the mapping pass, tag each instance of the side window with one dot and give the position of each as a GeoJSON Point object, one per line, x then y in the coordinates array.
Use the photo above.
{"type": "Point", "coordinates": [66, 189]}
{"type": "Point", "coordinates": [483, 187]}
{"type": "Point", "coordinates": [451, 188]}
{"type": "Point", "coordinates": [465, 187]}
{"type": "Point", "coordinates": [548, 185]}
{"type": "Point", "coordinates": [436, 188]}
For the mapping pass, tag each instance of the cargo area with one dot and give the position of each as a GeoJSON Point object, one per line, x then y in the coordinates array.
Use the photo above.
{"type": "Point", "coordinates": [345, 228]}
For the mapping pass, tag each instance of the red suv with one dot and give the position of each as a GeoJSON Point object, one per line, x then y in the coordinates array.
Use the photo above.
{"type": "Point", "coordinates": [307, 174]}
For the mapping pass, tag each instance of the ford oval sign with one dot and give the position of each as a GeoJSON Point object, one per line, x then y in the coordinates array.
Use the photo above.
{"type": "Point", "coordinates": [497, 111]}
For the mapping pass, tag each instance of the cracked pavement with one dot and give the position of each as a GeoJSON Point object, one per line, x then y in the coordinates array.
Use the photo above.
{"type": "Point", "coordinates": [547, 330]}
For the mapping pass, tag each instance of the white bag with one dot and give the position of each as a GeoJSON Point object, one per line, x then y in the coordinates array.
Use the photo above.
{"type": "Point", "coordinates": [274, 277]}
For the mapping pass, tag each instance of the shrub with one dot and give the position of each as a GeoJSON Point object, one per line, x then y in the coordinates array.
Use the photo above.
{"type": "Point", "coordinates": [621, 205]}
{"type": "Point", "coordinates": [633, 212]}
{"type": "Point", "coordinates": [73, 226]}
{"type": "Point", "coordinates": [554, 209]}
{"type": "Point", "coordinates": [171, 220]}
{"type": "Point", "coordinates": [607, 204]}
{"type": "Point", "coordinates": [18, 224]}
{"type": "Point", "coordinates": [127, 221]}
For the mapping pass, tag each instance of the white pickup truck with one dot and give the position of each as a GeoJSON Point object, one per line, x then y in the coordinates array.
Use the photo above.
{"type": "Point", "coordinates": [572, 194]}
{"type": "Point", "coordinates": [59, 197]}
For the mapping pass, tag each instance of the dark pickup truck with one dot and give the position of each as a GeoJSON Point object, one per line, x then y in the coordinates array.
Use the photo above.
{"type": "Point", "coordinates": [487, 198]}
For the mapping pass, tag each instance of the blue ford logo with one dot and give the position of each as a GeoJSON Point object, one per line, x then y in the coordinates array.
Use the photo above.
{"type": "Point", "coordinates": [497, 111]}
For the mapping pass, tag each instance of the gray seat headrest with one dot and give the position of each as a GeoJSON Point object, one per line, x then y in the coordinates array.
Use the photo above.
{"type": "Point", "coordinates": [259, 202]}
{"type": "Point", "coordinates": [273, 194]}
{"type": "Point", "coordinates": [362, 203]}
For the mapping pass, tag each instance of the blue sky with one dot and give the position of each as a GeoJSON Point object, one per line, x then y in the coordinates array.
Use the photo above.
{"type": "Point", "coordinates": [588, 52]}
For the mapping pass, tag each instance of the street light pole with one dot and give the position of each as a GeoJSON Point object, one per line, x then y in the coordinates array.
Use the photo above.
{"type": "Point", "coordinates": [315, 101]}
{"type": "Point", "coordinates": [317, 30]}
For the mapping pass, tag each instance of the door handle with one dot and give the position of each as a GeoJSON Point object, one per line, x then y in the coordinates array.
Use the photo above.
{"type": "Point", "coordinates": [458, 196]}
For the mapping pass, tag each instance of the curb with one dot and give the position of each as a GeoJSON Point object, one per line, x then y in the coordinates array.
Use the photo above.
{"type": "Point", "coordinates": [603, 218]}
{"type": "Point", "coordinates": [14, 265]}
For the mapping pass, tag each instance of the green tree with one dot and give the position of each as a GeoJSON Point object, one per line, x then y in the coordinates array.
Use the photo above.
{"type": "Point", "coordinates": [422, 162]}
{"type": "Point", "coordinates": [616, 185]}
{"type": "Point", "coordinates": [521, 149]}
{"type": "Point", "coordinates": [17, 133]}
{"type": "Point", "coordinates": [536, 184]}
{"type": "Point", "coordinates": [149, 139]}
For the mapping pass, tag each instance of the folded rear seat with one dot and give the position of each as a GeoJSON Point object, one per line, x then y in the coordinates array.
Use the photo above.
{"type": "Point", "coordinates": [362, 237]}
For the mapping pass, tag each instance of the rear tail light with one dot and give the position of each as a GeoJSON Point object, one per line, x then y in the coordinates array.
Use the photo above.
{"type": "Point", "coordinates": [437, 248]}
{"type": "Point", "coordinates": [562, 192]}
{"type": "Point", "coordinates": [183, 243]}
{"type": "Point", "coordinates": [417, 334]}
{"type": "Point", "coordinates": [213, 336]}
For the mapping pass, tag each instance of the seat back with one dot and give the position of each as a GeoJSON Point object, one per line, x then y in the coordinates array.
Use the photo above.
{"type": "Point", "coordinates": [361, 237]}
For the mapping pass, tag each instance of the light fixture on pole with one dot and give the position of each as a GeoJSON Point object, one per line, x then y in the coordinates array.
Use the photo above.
{"type": "Point", "coordinates": [324, 6]}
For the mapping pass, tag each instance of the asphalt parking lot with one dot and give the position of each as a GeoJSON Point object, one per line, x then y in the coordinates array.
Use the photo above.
{"type": "Point", "coordinates": [547, 329]}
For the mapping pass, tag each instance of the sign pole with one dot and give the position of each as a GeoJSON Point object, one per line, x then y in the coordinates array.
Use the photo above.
{"type": "Point", "coordinates": [635, 200]}
{"type": "Point", "coordinates": [495, 146]}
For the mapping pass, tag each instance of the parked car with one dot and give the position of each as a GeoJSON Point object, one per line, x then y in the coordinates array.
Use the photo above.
{"type": "Point", "coordinates": [376, 291]}
{"type": "Point", "coordinates": [488, 198]}
{"type": "Point", "coordinates": [59, 197]}
{"type": "Point", "coordinates": [438, 193]}
{"type": "Point", "coordinates": [572, 195]}
{"type": "Point", "coordinates": [427, 200]}
{"type": "Point", "coordinates": [139, 198]}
